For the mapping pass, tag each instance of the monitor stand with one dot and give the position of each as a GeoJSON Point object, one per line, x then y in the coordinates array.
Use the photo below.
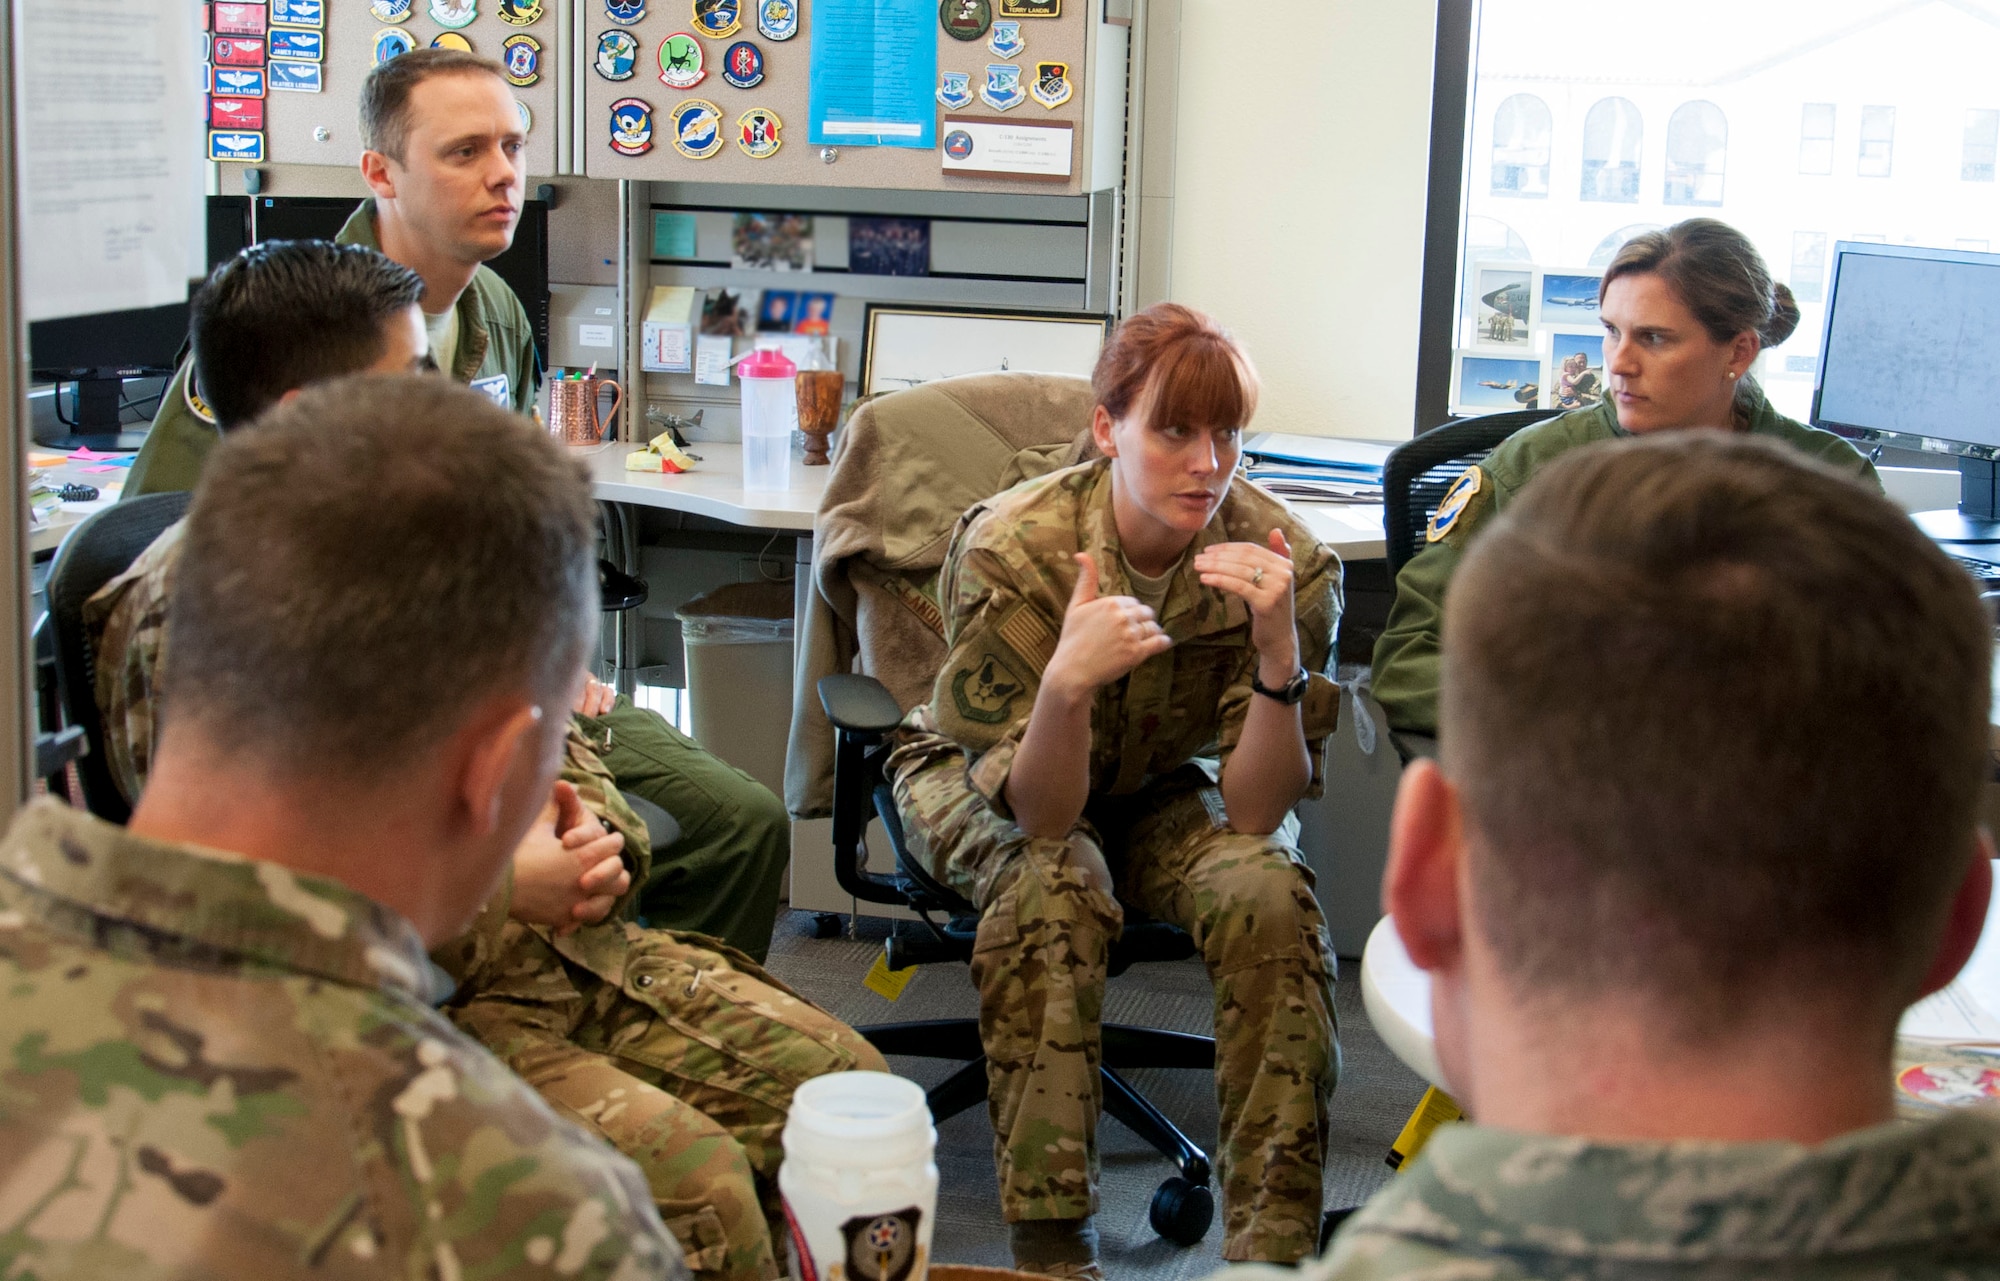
{"type": "Point", "coordinates": [97, 401]}
{"type": "Point", "coordinates": [1977, 516]}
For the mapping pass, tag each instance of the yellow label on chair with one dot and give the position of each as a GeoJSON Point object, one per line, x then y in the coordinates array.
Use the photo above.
{"type": "Point", "coordinates": [885, 982]}
{"type": "Point", "coordinates": [1437, 1108]}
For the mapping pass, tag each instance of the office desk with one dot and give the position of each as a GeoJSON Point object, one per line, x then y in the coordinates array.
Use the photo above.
{"type": "Point", "coordinates": [713, 489]}
{"type": "Point", "coordinates": [46, 537]}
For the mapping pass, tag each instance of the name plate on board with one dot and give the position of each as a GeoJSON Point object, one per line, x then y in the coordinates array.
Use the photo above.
{"type": "Point", "coordinates": [990, 147]}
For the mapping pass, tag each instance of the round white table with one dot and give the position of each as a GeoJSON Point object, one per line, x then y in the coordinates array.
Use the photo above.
{"type": "Point", "coordinates": [1397, 996]}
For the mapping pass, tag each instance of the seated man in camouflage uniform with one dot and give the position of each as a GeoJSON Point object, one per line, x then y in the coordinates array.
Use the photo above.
{"type": "Point", "coordinates": [443, 153]}
{"type": "Point", "coordinates": [676, 1049]}
{"type": "Point", "coordinates": [1704, 824]}
{"type": "Point", "coordinates": [217, 1052]}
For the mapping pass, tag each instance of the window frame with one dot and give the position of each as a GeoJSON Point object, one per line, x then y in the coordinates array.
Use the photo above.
{"type": "Point", "coordinates": [1818, 140]}
{"type": "Point", "coordinates": [1617, 105]}
{"type": "Point", "coordinates": [1876, 112]}
{"type": "Point", "coordinates": [1990, 118]}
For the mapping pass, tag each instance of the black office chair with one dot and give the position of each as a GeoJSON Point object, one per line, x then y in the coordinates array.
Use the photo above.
{"type": "Point", "coordinates": [862, 712]}
{"type": "Point", "coordinates": [1420, 472]}
{"type": "Point", "coordinates": [94, 553]}
{"type": "Point", "coordinates": [1415, 479]}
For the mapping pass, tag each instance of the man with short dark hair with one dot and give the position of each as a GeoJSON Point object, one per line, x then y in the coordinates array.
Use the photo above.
{"type": "Point", "coordinates": [693, 1084]}
{"type": "Point", "coordinates": [1714, 733]}
{"type": "Point", "coordinates": [220, 1056]}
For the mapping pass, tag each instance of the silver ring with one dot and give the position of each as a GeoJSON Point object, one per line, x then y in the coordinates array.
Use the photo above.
{"type": "Point", "coordinates": [1257, 578]}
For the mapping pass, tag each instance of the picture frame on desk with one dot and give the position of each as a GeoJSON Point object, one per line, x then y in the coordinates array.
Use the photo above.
{"type": "Point", "coordinates": [907, 346]}
{"type": "Point", "coordinates": [1490, 382]}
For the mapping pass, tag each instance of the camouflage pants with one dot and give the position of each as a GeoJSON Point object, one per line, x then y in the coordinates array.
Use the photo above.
{"type": "Point", "coordinates": [1047, 918]}
{"type": "Point", "coordinates": [688, 1068]}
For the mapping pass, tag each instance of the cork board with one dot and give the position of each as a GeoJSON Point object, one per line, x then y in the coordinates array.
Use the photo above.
{"type": "Point", "coordinates": [291, 118]}
{"type": "Point", "coordinates": [787, 67]}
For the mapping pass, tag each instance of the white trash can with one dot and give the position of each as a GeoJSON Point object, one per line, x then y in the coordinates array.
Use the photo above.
{"type": "Point", "coordinates": [738, 641]}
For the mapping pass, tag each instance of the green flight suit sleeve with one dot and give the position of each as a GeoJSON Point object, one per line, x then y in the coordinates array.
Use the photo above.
{"type": "Point", "coordinates": [176, 446]}
{"type": "Point", "coordinates": [1405, 679]}
{"type": "Point", "coordinates": [1407, 656]}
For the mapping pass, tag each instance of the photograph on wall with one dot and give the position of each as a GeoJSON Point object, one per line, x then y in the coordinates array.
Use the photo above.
{"type": "Point", "coordinates": [1506, 295]}
{"type": "Point", "coordinates": [1569, 298]}
{"type": "Point", "coordinates": [777, 312]}
{"type": "Point", "coordinates": [1487, 384]}
{"type": "Point", "coordinates": [724, 314]}
{"type": "Point", "coordinates": [814, 315]}
{"type": "Point", "coordinates": [889, 246]}
{"type": "Point", "coordinates": [1576, 369]}
{"type": "Point", "coordinates": [772, 242]}
{"type": "Point", "coordinates": [909, 346]}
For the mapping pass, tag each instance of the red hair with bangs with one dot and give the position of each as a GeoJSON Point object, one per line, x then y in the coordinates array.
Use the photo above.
{"type": "Point", "coordinates": [1184, 367]}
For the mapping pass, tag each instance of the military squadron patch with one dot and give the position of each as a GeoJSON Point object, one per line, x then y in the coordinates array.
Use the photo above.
{"type": "Point", "coordinates": [1461, 493]}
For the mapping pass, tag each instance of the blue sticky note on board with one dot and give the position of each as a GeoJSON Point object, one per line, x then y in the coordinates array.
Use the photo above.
{"type": "Point", "coordinates": [874, 71]}
{"type": "Point", "coordinates": [673, 235]}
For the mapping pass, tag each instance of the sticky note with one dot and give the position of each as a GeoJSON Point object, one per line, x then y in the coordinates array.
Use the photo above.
{"type": "Point", "coordinates": [673, 235]}
{"type": "Point", "coordinates": [886, 982]}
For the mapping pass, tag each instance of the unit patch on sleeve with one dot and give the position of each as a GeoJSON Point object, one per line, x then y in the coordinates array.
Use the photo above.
{"type": "Point", "coordinates": [1461, 492]}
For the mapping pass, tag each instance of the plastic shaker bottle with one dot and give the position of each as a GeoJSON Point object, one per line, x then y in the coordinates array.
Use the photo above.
{"type": "Point", "coordinates": [770, 409]}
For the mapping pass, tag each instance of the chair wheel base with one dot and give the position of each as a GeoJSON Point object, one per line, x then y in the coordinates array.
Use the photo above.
{"type": "Point", "coordinates": [1182, 1211]}
{"type": "Point", "coordinates": [825, 925]}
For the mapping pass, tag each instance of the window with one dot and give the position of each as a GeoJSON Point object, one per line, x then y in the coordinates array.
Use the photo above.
{"type": "Point", "coordinates": [1982, 140]}
{"type": "Point", "coordinates": [1569, 105]}
{"type": "Point", "coordinates": [1611, 135]}
{"type": "Point", "coordinates": [1521, 131]}
{"type": "Point", "coordinates": [1808, 279]}
{"type": "Point", "coordinates": [1878, 141]}
{"type": "Point", "coordinates": [1608, 248]}
{"type": "Point", "coordinates": [1816, 138]}
{"type": "Point", "coordinates": [1697, 143]}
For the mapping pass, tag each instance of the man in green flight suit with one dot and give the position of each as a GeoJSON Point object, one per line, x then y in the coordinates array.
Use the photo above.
{"type": "Point", "coordinates": [443, 159]}
{"type": "Point", "coordinates": [443, 146]}
{"type": "Point", "coordinates": [1686, 311]}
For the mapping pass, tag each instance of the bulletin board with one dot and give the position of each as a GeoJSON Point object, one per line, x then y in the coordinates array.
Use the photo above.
{"type": "Point", "coordinates": [1067, 38]}
{"type": "Point", "coordinates": [321, 129]}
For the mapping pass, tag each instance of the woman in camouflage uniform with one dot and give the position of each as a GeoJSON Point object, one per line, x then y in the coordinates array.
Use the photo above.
{"type": "Point", "coordinates": [1109, 626]}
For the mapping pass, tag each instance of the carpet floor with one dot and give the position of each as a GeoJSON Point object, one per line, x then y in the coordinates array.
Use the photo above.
{"type": "Point", "coordinates": [1376, 1095]}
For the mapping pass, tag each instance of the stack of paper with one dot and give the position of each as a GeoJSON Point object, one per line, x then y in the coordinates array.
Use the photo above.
{"type": "Point", "coordinates": [1322, 469]}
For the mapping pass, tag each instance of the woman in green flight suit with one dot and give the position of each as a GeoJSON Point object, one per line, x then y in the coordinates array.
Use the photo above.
{"type": "Point", "coordinates": [1686, 311]}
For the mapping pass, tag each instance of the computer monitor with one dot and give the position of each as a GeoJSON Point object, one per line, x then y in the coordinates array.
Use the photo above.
{"type": "Point", "coordinates": [97, 353]}
{"type": "Point", "coordinates": [525, 265]}
{"type": "Point", "coordinates": [1908, 357]}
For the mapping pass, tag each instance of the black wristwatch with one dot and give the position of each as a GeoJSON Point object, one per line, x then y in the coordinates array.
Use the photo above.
{"type": "Point", "coordinates": [1291, 693]}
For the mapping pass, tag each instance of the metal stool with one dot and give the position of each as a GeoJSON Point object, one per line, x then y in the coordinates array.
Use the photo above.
{"type": "Point", "coordinates": [622, 593]}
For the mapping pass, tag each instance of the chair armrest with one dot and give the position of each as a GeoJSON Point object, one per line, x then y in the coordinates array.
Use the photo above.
{"type": "Point", "coordinates": [1412, 746]}
{"type": "Point", "coordinates": [859, 704]}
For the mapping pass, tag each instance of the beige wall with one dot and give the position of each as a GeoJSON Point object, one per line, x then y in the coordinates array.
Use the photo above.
{"type": "Point", "coordinates": [1285, 165]}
